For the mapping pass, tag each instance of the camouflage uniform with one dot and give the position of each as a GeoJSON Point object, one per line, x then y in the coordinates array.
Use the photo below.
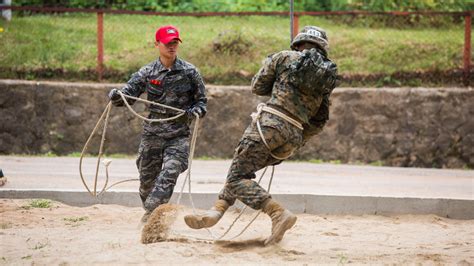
{"type": "Point", "coordinates": [164, 148]}
{"type": "Point", "coordinates": [299, 84]}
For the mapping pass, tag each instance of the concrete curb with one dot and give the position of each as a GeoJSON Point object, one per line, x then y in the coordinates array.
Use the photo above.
{"type": "Point", "coordinates": [298, 203]}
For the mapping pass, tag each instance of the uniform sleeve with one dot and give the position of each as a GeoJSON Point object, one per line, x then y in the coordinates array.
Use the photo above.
{"type": "Point", "coordinates": [262, 82]}
{"type": "Point", "coordinates": [200, 100]}
{"type": "Point", "coordinates": [318, 121]}
{"type": "Point", "coordinates": [137, 83]}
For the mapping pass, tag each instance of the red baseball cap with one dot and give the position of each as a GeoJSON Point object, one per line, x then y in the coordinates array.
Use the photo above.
{"type": "Point", "coordinates": [166, 34]}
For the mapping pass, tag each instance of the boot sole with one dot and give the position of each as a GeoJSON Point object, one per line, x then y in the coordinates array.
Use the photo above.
{"type": "Point", "coordinates": [281, 228]}
{"type": "Point", "coordinates": [194, 222]}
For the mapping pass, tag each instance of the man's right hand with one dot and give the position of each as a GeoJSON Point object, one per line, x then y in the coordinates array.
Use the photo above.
{"type": "Point", "coordinates": [115, 97]}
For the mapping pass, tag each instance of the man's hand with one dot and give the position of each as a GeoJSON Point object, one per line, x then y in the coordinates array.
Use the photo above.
{"type": "Point", "coordinates": [115, 97]}
{"type": "Point", "coordinates": [195, 111]}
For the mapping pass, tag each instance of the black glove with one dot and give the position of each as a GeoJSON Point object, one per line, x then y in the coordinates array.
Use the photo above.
{"type": "Point", "coordinates": [115, 97]}
{"type": "Point", "coordinates": [193, 111]}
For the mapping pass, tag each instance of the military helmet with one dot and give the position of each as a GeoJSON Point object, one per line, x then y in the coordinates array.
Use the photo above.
{"type": "Point", "coordinates": [312, 34]}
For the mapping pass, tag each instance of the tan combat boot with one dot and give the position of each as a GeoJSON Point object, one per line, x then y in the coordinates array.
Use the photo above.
{"type": "Point", "coordinates": [209, 218]}
{"type": "Point", "coordinates": [282, 220]}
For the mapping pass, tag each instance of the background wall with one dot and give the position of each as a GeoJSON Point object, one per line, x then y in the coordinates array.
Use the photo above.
{"type": "Point", "coordinates": [422, 127]}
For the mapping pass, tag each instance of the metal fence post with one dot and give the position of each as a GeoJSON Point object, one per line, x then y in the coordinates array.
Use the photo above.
{"type": "Point", "coordinates": [292, 16]}
{"type": "Point", "coordinates": [467, 49]}
{"type": "Point", "coordinates": [100, 44]}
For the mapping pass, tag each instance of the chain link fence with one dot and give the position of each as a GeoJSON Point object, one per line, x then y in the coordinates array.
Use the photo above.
{"type": "Point", "coordinates": [371, 49]}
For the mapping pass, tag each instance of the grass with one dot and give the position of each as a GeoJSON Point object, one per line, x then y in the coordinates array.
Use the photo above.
{"type": "Point", "coordinates": [68, 42]}
{"type": "Point", "coordinates": [40, 245]}
{"type": "Point", "coordinates": [38, 203]}
{"type": "Point", "coordinates": [76, 219]}
{"type": "Point", "coordinates": [112, 155]}
{"type": "Point", "coordinates": [342, 259]}
{"type": "Point", "coordinates": [319, 161]}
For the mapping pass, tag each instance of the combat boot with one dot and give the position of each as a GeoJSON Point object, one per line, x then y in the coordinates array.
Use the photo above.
{"type": "Point", "coordinates": [209, 218]}
{"type": "Point", "coordinates": [282, 220]}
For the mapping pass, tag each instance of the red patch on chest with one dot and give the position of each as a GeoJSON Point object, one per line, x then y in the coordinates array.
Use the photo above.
{"type": "Point", "coordinates": [155, 82]}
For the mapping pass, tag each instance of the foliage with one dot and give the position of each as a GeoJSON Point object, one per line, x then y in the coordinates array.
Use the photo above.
{"type": "Point", "coordinates": [39, 203]}
{"type": "Point", "coordinates": [227, 50]}
{"type": "Point", "coordinates": [258, 5]}
{"type": "Point", "coordinates": [76, 219]}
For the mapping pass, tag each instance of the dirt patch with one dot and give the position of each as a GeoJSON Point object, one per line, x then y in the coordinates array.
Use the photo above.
{"type": "Point", "coordinates": [110, 234]}
{"type": "Point", "coordinates": [159, 223]}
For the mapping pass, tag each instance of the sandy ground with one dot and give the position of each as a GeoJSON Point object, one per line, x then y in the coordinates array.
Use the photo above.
{"type": "Point", "coordinates": [110, 234]}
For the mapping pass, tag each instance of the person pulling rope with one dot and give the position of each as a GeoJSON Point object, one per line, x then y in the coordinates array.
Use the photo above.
{"type": "Point", "coordinates": [299, 83]}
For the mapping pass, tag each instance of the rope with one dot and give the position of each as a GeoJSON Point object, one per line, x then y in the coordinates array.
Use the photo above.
{"type": "Point", "coordinates": [105, 117]}
{"type": "Point", "coordinates": [245, 207]}
{"type": "Point", "coordinates": [256, 118]}
{"type": "Point", "coordinates": [84, 149]}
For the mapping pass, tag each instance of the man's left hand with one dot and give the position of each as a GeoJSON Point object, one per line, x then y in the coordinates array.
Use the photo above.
{"type": "Point", "coordinates": [195, 111]}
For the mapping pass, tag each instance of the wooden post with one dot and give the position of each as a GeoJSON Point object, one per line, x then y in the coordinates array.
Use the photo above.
{"type": "Point", "coordinates": [100, 45]}
{"type": "Point", "coordinates": [467, 50]}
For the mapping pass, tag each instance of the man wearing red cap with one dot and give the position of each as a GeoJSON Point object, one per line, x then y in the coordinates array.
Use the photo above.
{"type": "Point", "coordinates": [164, 147]}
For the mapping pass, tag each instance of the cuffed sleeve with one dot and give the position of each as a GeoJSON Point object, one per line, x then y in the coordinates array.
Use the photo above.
{"type": "Point", "coordinates": [199, 100]}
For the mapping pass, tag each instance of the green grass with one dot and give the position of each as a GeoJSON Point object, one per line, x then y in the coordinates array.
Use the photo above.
{"type": "Point", "coordinates": [76, 219]}
{"type": "Point", "coordinates": [68, 42]}
{"type": "Point", "coordinates": [39, 203]}
{"type": "Point", "coordinates": [112, 155]}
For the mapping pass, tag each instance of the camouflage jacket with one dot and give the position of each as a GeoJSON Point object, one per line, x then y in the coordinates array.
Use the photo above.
{"type": "Point", "coordinates": [299, 84]}
{"type": "Point", "coordinates": [181, 87]}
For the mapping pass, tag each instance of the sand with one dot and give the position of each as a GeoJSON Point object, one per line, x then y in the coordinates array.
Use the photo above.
{"type": "Point", "coordinates": [111, 234]}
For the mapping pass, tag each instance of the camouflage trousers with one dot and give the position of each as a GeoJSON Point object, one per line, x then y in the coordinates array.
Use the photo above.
{"type": "Point", "coordinates": [159, 163]}
{"type": "Point", "coordinates": [252, 155]}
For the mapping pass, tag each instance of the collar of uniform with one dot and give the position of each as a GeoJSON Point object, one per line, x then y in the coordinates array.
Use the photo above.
{"type": "Point", "coordinates": [177, 65]}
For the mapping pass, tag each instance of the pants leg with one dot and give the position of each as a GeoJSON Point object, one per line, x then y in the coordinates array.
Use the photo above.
{"type": "Point", "coordinates": [175, 161]}
{"type": "Point", "coordinates": [252, 155]}
{"type": "Point", "coordinates": [149, 162]}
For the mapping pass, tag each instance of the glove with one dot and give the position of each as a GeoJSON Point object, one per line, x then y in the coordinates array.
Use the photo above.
{"type": "Point", "coordinates": [115, 97]}
{"type": "Point", "coordinates": [193, 111]}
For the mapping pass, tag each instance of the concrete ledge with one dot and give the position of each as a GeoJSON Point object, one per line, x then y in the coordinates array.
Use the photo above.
{"type": "Point", "coordinates": [312, 204]}
{"type": "Point", "coordinates": [415, 127]}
